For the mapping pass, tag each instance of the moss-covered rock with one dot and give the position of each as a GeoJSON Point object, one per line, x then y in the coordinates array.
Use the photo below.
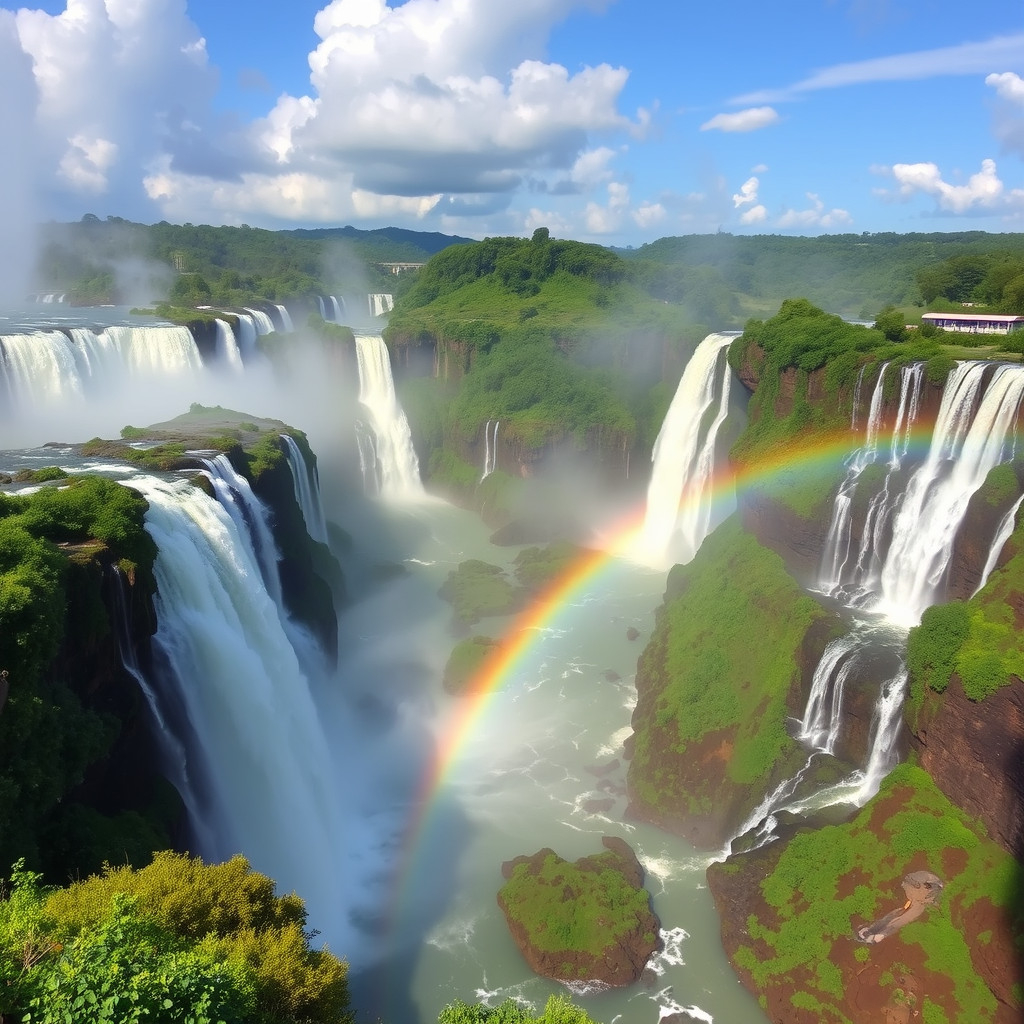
{"type": "Point", "coordinates": [790, 913]}
{"type": "Point", "coordinates": [590, 920]}
{"type": "Point", "coordinates": [732, 652]}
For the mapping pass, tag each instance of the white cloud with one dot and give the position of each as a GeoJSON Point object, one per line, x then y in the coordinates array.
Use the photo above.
{"type": "Point", "coordinates": [742, 121]}
{"type": "Point", "coordinates": [407, 104]}
{"type": "Point", "coordinates": [86, 161]}
{"type": "Point", "coordinates": [815, 216]}
{"type": "Point", "coordinates": [603, 220]}
{"type": "Point", "coordinates": [983, 189]}
{"type": "Point", "coordinates": [747, 193]}
{"type": "Point", "coordinates": [647, 215]}
{"type": "Point", "coordinates": [759, 169]}
{"type": "Point", "coordinates": [1008, 85]}
{"type": "Point", "coordinates": [964, 59]}
{"type": "Point", "coordinates": [755, 215]}
{"type": "Point", "coordinates": [591, 168]}
{"type": "Point", "coordinates": [1009, 115]}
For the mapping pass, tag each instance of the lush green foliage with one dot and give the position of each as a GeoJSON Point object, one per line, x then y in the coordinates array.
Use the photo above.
{"type": "Point", "coordinates": [711, 681]}
{"type": "Point", "coordinates": [223, 265]}
{"type": "Point", "coordinates": [49, 595]}
{"type": "Point", "coordinates": [855, 275]}
{"type": "Point", "coordinates": [978, 640]}
{"type": "Point", "coordinates": [798, 340]}
{"type": "Point", "coordinates": [585, 906]}
{"type": "Point", "coordinates": [558, 1010]}
{"type": "Point", "coordinates": [177, 941]}
{"type": "Point", "coordinates": [477, 589]}
{"type": "Point", "coordinates": [814, 906]}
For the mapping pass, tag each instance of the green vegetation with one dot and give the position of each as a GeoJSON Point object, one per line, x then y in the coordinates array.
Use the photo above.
{"type": "Point", "coordinates": [719, 670]}
{"type": "Point", "coordinates": [798, 340]}
{"type": "Point", "coordinates": [56, 721]}
{"type": "Point", "coordinates": [177, 941]}
{"type": "Point", "coordinates": [582, 907]}
{"type": "Point", "coordinates": [559, 340]}
{"type": "Point", "coordinates": [477, 589]}
{"type": "Point", "coordinates": [558, 1010]}
{"type": "Point", "coordinates": [230, 266]}
{"type": "Point", "coordinates": [855, 275]}
{"type": "Point", "coordinates": [828, 881]}
{"type": "Point", "coordinates": [464, 662]}
{"type": "Point", "coordinates": [978, 640]}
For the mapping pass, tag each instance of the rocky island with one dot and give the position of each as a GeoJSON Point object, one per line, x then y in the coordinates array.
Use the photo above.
{"type": "Point", "coordinates": [589, 920]}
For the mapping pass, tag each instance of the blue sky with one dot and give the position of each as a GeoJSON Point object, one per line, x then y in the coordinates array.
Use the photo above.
{"type": "Point", "coordinates": [616, 121]}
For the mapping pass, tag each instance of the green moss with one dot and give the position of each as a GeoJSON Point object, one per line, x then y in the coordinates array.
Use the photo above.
{"type": "Point", "coordinates": [809, 916]}
{"type": "Point", "coordinates": [477, 589]}
{"type": "Point", "coordinates": [706, 677]}
{"type": "Point", "coordinates": [583, 907]}
{"type": "Point", "coordinates": [1000, 486]}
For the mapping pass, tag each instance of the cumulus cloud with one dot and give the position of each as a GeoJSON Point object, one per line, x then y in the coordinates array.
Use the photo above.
{"type": "Point", "coordinates": [1009, 114]}
{"type": "Point", "coordinates": [742, 121]}
{"type": "Point", "coordinates": [814, 216]}
{"type": "Point", "coordinates": [981, 191]}
{"type": "Point", "coordinates": [747, 193]}
{"type": "Point", "coordinates": [755, 215]}
{"type": "Point", "coordinates": [964, 59]}
{"type": "Point", "coordinates": [410, 107]}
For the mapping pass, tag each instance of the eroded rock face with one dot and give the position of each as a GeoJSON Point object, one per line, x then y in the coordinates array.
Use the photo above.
{"type": "Point", "coordinates": [631, 942]}
{"type": "Point", "coordinates": [975, 754]}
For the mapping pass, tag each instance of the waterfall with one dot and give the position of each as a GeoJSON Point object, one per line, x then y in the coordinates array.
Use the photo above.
{"type": "Point", "coordinates": [381, 303]}
{"type": "Point", "coordinates": [972, 435]}
{"type": "Point", "coordinates": [264, 325]}
{"type": "Point", "coordinates": [339, 309]}
{"type": "Point", "coordinates": [307, 491]}
{"type": "Point", "coordinates": [1003, 531]}
{"type": "Point", "coordinates": [682, 506]}
{"type": "Point", "coordinates": [822, 719]}
{"type": "Point", "coordinates": [286, 320]}
{"type": "Point", "coordinates": [835, 576]}
{"type": "Point", "coordinates": [974, 432]}
{"type": "Point", "coordinates": [320, 304]}
{"type": "Point", "coordinates": [233, 693]}
{"type": "Point", "coordinates": [397, 468]}
{"type": "Point", "coordinates": [47, 366]}
{"type": "Point", "coordinates": [246, 336]}
{"type": "Point", "coordinates": [228, 352]}
{"type": "Point", "coordinates": [250, 517]}
{"type": "Point", "coordinates": [490, 449]}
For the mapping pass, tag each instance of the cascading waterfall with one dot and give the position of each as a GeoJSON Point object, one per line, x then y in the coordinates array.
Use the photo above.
{"type": "Point", "coordinates": [683, 502]}
{"type": "Point", "coordinates": [1003, 531]}
{"type": "Point", "coordinates": [264, 325]}
{"type": "Point", "coordinates": [397, 468]}
{"type": "Point", "coordinates": [307, 491]}
{"type": "Point", "coordinates": [490, 449]}
{"type": "Point", "coordinates": [286, 320]}
{"type": "Point", "coordinates": [228, 351]}
{"type": "Point", "coordinates": [232, 690]}
{"type": "Point", "coordinates": [45, 366]}
{"type": "Point", "coordinates": [339, 309]}
{"type": "Point", "coordinates": [974, 432]}
{"type": "Point", "coordinates": [249, 514]}
{"type": "Point", "coordinates": [381, 303]}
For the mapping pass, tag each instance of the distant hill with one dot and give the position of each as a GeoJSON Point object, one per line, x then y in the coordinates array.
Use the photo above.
{"type": "Point", "coordinates": [855, 275]}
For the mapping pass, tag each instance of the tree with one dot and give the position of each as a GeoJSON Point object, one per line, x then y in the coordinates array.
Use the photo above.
{"type": "Point", "coordinates": [892, 323]}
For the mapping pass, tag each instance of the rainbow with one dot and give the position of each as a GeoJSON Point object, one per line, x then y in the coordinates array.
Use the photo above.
{"type": "Point", "coordinates": [813, 454]}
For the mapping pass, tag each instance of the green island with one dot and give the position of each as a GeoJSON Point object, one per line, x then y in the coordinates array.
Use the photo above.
{"type": "Point", "coordinates": [589, 920]}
